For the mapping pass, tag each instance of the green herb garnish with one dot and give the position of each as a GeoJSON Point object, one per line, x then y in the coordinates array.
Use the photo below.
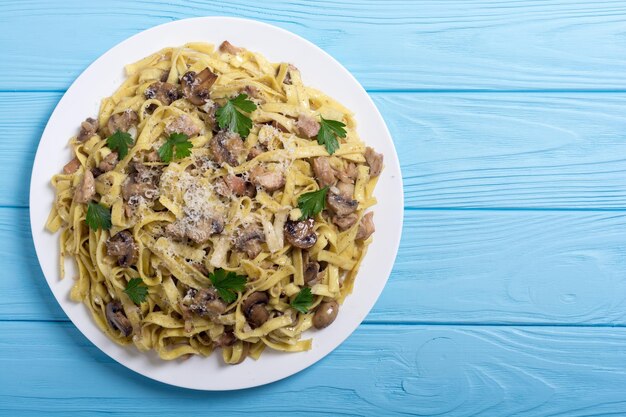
{"type": "Point", "coordinates": [328, 133]}
{"type": "Point", "coordinates": [312, 203]}
{"type": "Point", "coordinates": [136, 290]}
{"type": "Point", "coordinates": [303, 300]}
{"type": "Point", "coordinates": [229, 117]}
{"type": "Point", "coordinates": [227, 284]}
{"type": "Point", "coordinates": [177, 145]}
{"type": "Point", "coordinates": [98, 216]}
{"type": "Point", "coordinates": [120, 141]}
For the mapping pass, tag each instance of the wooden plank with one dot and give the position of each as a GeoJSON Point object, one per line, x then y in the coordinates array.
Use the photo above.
{"type": "Point", "coordinates": [453, 267]}
{"type": "Point", "coordinates": [456, 150]}
{"type": "Point", "coordinates": [379, 370]}
{"type": "Point", "coordinates": [426, 44]}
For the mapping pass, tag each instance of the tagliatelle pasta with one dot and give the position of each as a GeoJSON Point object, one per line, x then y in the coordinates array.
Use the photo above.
{"type": "Point", "coordinates": [215, 202]}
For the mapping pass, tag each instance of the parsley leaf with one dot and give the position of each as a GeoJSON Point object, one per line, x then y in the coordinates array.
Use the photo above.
{"type": "Point", "coordinates": [328, 133]}
{"type": "Point", "coordinates": [227, 283]}
{"type": "Point", "coordinates": [120, 141]}
{"type": "Point", "coordinates": [177, 145]}
{"type": "Point", "coordinates": [136, 290]}
{"type": "Point", "coordinates": [312, 203]}
{"type": "Point", "coordinates": [229, 117]}
{"type": "Point", "coordinates": [303, 300]}
{"type": "Point", "coordinates": [98, 216]}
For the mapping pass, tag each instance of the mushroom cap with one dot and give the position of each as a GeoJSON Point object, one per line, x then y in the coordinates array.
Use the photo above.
{"type": "Point", "coordinates": [301, 234]}
{"type": "Point", "coordinates": [116, 318]}
{"type": "Point", "coordinates": [325, 314]}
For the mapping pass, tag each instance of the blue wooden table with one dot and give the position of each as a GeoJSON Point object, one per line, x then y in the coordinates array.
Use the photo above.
{"type": "Point", "coordinates": [508, 296]}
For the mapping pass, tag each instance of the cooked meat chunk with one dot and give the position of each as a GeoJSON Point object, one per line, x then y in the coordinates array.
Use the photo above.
{"type": "Point", "coordinates": [301, 234]}
{"type": "Point", "coordinates": [254, 152]}
{"type": "Point", "coordinates": [108, 163]}
{"type": "Point", "coordinates": [204, 302]}
{"type": "Point", "coordinates": [324, 173]}
{"type": "Point", "coordinates": [166, 93]}
{"type": "Point", "coordinates": [340, 205]}
{"type": "Point", "coordinates": [227, 147]}
{"type": "Point", "coordinates": [234, 185]}
{"type": "Point", "coordinates": [198, 231]}
{"type": "Point", "coordinates": [227, 338]}
{"type": "Point", "coordinates": [182, 124]}
{"type": "Point", "coordinates": [345, 222]}
{"type": "Point", "coordinates": [152, 156]}
{"type": "Point", "coordinates": [307, 126]}
{"type": "Point", "coordinates": [196, 87]}
{"type": "Point", "coordinates": [229, 48]}
{"type": "Point", "coordinates": [252, 91]}
{"type": "Point", "coordinates": [366, 227]}
{"type": "Point", "coordinates": [143, 183]}
{"type": "Point", "coordinates": [348, 174]}
{"type": "Point", "coordinates": [122, 121]}
{"type": "Point", "coordinates": [86, 189]}
{"type": "Point", "coordinates": [374, 160]}
{"type": "Point", "coordinates": [123, 246]}
{"type": "Point", "coordinates": [269, 180]}
{"type": "Point", "coordinates": [88, 128]}
{"type": "Point", "coordinates": [116, 318]}
{"type": "Point", "coordinates": [249, 240]}
{"type": "Point", "coordinates": [346, 189]}
{"type": "Point", "coordinates": [72, 166]}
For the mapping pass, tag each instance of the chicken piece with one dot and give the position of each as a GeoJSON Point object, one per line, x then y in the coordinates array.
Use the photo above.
{"type": "Point", "coordinates": [229, 48]}
{"type": "Point", "coordinates": [324, 173]}
{"type": "Point", "coordinates": [346, 189]}
{"type": "Point", "coordinates": [374, 160]}
{"type": "Point", "coordinates": [72, 166]}
{"type": "Point", "coordinates": [109, 162]}
{"type": "Point", "coordinates": [366, 227]}
{"type": "Point", "coordinates": [88, 128]}
{"type": "Point", "coordinates": [345, 222]}
{"type": "Point", "coordinates": [182, 124]}
{"type": "Point", "coordinates": [269, 180]}
{"type": "Point", "coordinates": [143, 183]}
{"type": "Point", "coordinates": [204, 302]}
{"type": "Point", "coordinates": [86, 189]}
{"type": "Point", "coordinates": [308, 126]}
{"type": "Point", "coordinates": [234, 185]}
{"type": "Point", "coordinates": [122, 121]}
{"type": "Point", "coordinates": [348, 174]}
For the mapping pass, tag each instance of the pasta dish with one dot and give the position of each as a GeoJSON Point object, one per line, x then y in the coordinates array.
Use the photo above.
{"type": "Point", "coordinates": [215, 202]}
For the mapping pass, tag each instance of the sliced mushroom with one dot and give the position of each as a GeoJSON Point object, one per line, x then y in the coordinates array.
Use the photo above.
{"type": "Point", "coordinates": [340, 205]}
{"type": "Point", "coordinates": [249, 240]}
{"type": "Point", "coordinates": [311, 270]}
{"type": "Point", "coordinates": [269, 180]}
{"type": "Point", "coordinates": [301, 234]}
{"type": "Point", "coordinates": [196, 87]}
{"type": "Point", "coordinates": [234, 185]}
{"type": "Point", "coordinates": [254, 310]}
{"type": "Point", "coordinates": [86, 188]}
{"type": "Point", "coordinates": [325, 314]}
{"type": "Point", "coordinates": [345, 222]}
{"type": "Point", "coordinates": [374, 160]}
{"type": "Point", "coordinates": [123, 246]}
{"type": "Point", "coordinates": [72, 166]}
{"type": "Point", "coordinates": [307, 126]}
{"type": "Point", "coordinates": [166, 93]}
{"type": "Point", "coordinates": [108, 163]}
{"type": "Point", "coordinates": [116, 318]}
{"type": "Point", "coordinates": [227, 147]}
{"type": "Point", "coordinates": [88, 128]}
{"type": "Point", "coordinates": [122, 121]}
{"type": "Point", "coordinates": [182, 124]}
{"type": "Point", "coordinates": [204, 302]}
{"type": "Point", "coordinates": [143, 183]}
{"type": "Point", "coordinates": [229, 48]}
{"type": "Point", "coordinates": [324, 173]}
{"type": "Point", "coordinates": [366, 227]}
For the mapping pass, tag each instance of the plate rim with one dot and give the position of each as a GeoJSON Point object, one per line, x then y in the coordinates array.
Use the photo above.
{"type": "Point", "coordinates": [391, 163]}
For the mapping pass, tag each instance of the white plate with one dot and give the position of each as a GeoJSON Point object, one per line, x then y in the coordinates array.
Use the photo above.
{"type": "Point", "coordinates": [319, 70]}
